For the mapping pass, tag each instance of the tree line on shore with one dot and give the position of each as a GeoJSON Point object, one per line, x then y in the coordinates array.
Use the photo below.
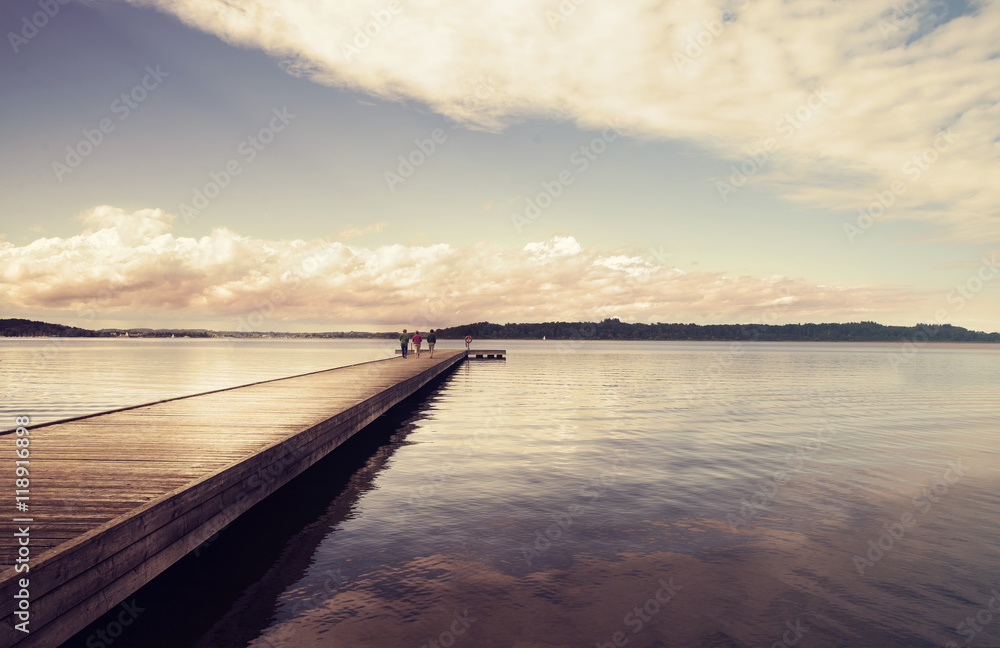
{"type": "Point", "coordinates": [608, 329]}
{"type": "Point", "coordinates": [615, 329]}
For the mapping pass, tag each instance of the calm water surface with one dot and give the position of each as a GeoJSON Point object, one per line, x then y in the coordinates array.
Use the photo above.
{"type": "Point", "coordinates": [599, 494]}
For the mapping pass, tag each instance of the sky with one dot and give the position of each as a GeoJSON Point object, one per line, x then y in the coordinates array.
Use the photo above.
{"type": "Point", "coordinates": [293, 165]}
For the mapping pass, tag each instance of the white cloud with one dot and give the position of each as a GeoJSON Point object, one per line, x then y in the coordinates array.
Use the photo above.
{"type": "Point", "coordinates": [135, 264]}
{"type": "Point", "coordinates": [557, 246]}
{"type": "Point", "coordinates": [632, 266]}
{"type": "Point", "coordinates": [130, 228]}
{"type": "Point", "coordinates": [725, 74]}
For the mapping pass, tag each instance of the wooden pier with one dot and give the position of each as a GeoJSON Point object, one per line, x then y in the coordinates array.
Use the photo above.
{"type": "Point", "coordinates": [117, 497]}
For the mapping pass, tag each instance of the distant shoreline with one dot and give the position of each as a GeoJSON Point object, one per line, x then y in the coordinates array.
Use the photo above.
{"type": "Point", "coordinates": [606, 330]}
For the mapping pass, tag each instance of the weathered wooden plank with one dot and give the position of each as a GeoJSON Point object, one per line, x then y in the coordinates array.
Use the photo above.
{"type": "Point", "coordinates": [123, 495]}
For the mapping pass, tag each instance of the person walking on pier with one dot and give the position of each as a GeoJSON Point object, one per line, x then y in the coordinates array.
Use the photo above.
{"type": "Point", "coordinates": [431, 341]}
{"type": "Point", "coordinates": [416, 341]}
{"type": "Point", "coordinates": [404, 341]}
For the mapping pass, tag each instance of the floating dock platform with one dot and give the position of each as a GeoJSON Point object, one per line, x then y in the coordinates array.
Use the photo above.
{"type": "Point", "coordinates": [487, 354]}
{"type": "Point", "coordinates": [474, 354]}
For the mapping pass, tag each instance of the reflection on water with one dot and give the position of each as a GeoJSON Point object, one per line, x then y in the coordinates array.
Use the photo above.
{"type": "Point", "coordinates": [659, 494]}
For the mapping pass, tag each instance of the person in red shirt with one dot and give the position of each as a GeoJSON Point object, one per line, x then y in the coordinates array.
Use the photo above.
{"type": "Point", "coordinates": [416, 341]}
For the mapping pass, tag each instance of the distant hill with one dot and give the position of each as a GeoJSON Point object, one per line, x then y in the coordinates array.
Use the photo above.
{"type": "Point", "coordinates": [614, 329]}
{"type": "Point", "coordinates": [30, 328]}
{"type": "Point", "coordinates": [609, 329]}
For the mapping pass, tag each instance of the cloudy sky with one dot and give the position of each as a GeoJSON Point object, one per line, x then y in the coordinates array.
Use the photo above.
{"type": "Point", "coordinates": [331, 165]}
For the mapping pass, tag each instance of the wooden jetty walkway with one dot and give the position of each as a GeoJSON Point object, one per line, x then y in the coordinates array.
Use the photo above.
{"type": "Point", "coordinates": [117, 497]}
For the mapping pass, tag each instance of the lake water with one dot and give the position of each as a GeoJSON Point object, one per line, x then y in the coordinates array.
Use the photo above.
{"type": "Point", "coordinates": [590, 494]}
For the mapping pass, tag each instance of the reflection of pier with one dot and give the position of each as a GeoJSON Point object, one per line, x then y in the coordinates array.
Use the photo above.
{"type": "Point", "coordinates": [118, 497]}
